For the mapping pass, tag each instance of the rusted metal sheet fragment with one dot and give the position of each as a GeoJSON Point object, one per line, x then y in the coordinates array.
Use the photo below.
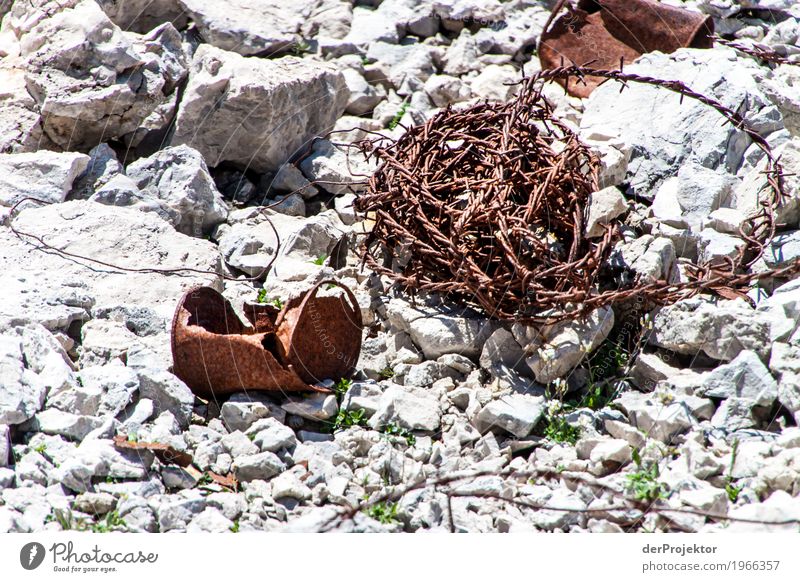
{"type": "Point", "coordinates": [167, 454]}
{"type": "Point", "coordinates": [320, 337]}
{"type": "Point", "coordinates": [606, 33]}
{"type": "Point", "coordinates": [312, 338]}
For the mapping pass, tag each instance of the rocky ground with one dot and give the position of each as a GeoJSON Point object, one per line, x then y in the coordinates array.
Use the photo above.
{"type": "Point", "coordinates": [152, 131]}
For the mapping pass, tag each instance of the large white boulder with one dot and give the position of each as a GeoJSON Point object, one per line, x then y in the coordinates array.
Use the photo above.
{"type": "Point", "coordinates": [88, 81]}
{"type": "Point", "coordinates": [665, 132]}
{"type": "Point", "coordinates": [68, 288]}
{"type": "Point", "coordinates": [253, 112]}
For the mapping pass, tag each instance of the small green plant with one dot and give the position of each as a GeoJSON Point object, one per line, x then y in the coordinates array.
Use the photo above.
{"type": "Point", "coordinates": [364, 61]}
{"type": "Point", "coordinates": [731, 489]}
{"type": "Point", "coordinates": [384, 512]}
{"type": "Point", "coordinates": [205, 479]}
{"type": "Point", "coordinates": [643, 483]}
{"type": "Point", "coordinates": [262, 298]}
{"type": "Point", "coordinates": [320, 260]}
{"type": "Point", "coordinates": [235, 527]}
{"type": "Point", "coordinates": [301, 48]}
{"type": "Point", "coordinates": [40, 448]}
{"type": "Point", "coordinates": [560, 431]}
{"type": "Point", "coordinates": [392, 429]}
{"type": "Point", "coordinates": [386, 373]}
{"type": "Point", "coordinates": [341, 387]}
{"type": "Point", "coordinates": [346, 419]}
{"type": "Point", "coordinates": [399, 115]}
{"type": "Point", "coordinates": [111, 522]}
{"type": "Point", "coordinates": [65, 519]}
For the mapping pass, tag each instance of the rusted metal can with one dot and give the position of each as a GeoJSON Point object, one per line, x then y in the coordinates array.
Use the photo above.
{"type": "Point", "coordinates": [312, 338]}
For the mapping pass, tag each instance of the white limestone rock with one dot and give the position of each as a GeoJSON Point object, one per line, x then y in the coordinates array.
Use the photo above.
{"type": "Point", "coordinates": [47, 176]}
{"type": "Point", "coordinates": [176, 184]}
{"type": "Point", "coordinates": [256, 113]}
{"type": "Point", "coordinates": [721, 329]}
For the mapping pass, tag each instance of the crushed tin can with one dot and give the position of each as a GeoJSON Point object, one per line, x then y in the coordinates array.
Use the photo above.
{"type": "Point", "coordinates": [608, 33]}
{"type": "Point", "coordinates": [312, 338]}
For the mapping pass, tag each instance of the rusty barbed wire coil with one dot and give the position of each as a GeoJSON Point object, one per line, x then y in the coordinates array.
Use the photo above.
{"type": "Point", "coordinates": [487, 204]}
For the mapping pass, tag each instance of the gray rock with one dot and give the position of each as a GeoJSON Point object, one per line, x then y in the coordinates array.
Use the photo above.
{"type": "Point", "coordinates": [176, 184]}
{"type": "Point", "coordinates": [289, 178]}
{"type": "Point", "coordinates": [231, 505]}
{"type": "Point", "coordinates": [362, 395]}
{"type": "Point", "coordinates": [780, 83]}
{"type": "Point", "coordinates": [553, 350]}
{"type": "Point", "coordinates": [211, 520]}
{"type": "Point", "coordinates": [783, 249]}
{"type": "Point", "coordinates": [424, 374]}
{"type": "Point", "coordinates": [99, 458]}
{"type": "Point", "coordinates": [410, 409]}
{"type": "Point", "coordinates": [779, 507]}
{"type": "Point", "coordinates": [102, 167]}
{"type": "Point", "coordinates": [344, 208]}
{"type": "Point", "coordinates": [241, 411]}
{"type": "Point", "coordinates": [754, 189]}
{"type": "Point", "coordinates": [175, 512]}
{"type": "Point", "coordinates": [289, 485]}
{"type": "Point", "coordinates": [238, 444]}
{"type": "Point", "coordinates": [363, 96]}
{"type": "Point", "coordinates": [612, 450]}
{"type": "Point", "coordinates": [444, 90]}
{"type": "Point", "coordinates": [313, 407]}
{"type": "Point", "coordinates": [745, 377]}
{"type": "Point", "coordinates": [287, 100]}
{"type": "Point", "coordinates": [494, 83]}
{"type": "Point", "coordinates": [462, 55]}
{"type": "Point", "coordinates": [271, 435]}
{"type": "Point", "coordinates": [47, 176]}
{"type": "Point", "coordinates": [604, 206]}
{"type": "Point", "coordinates": [785, 363]}
{"type": "Point", "coordinates": [666, 132]}
{"type": "Point", "coordinates": [783, 310]}
{"type": "Point", "coordinates": [291, 205]}
{"type": "Point", "coordinates": [702, 190]}
{"type": "Point", "coordinates": [440, 332]}
{"type": "Point", "coordinates": [177, 478]}
{"type": "Point", "coordinates": [118, 236]}
{"type": "Point", "coordinates": [22, 394]}
{"type": "Point", "coordinates": [335, 169]}
{"type": "Point", "coordinates": [167, 392]}
{"type": "Point", "coordinates": [89, 82]}
{"type": "Point", "coordinates": [115, 383]}
{"type": "Point", "coordinates": [651, 258]}
{"type": "Point", "coordinates": [656, 419]}
{"type": "Point", "coordinates": [501, 347]}
{"type": "Point", "coordinates": [716, 246]}
{"type": "Point", "coordinates": [720, 329]}
{"type": "Point", "coordinates": [5, 445]}
{"type": "Point", "coordinates": [72, 426]}
{"type": "Point", "coordinates": [143, 15]}
{"type": "Point", "coordinates": [734, 413]}
{"type": "Point", "coordinates": [369, 27]}
{"type": "Point", "coordinates": [260, 27]}
{"type": "Point", "coordinates": [259, 466]}
{"type": "Point", "coordinates": [517, 414]}
{"type": "Point", "coordinates": [95, 503]}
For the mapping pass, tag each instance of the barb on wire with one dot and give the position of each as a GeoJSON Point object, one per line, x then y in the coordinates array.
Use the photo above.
{"type": "Point", "coordinates": [757, 51]}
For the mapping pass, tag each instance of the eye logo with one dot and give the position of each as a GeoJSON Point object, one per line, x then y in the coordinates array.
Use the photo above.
{"type": "Point", "coordinates": [31, 555]}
